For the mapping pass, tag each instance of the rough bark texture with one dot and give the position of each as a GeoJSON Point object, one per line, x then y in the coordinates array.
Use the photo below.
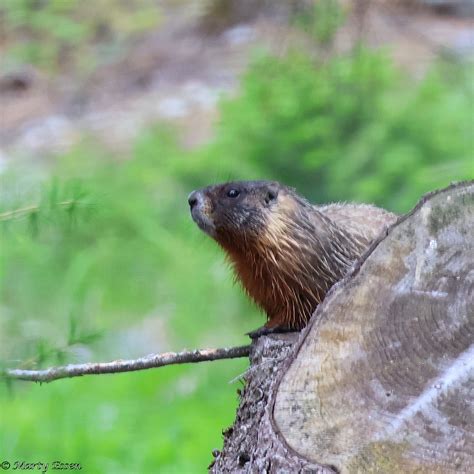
{"type": "Point", "coordinates": [251, 444]}
{"type": "Point", "coordinates": [382, 379]}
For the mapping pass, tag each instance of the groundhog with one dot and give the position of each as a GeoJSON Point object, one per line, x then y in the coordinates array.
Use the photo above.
{"type": "Point", "coordinates": [286, 252]}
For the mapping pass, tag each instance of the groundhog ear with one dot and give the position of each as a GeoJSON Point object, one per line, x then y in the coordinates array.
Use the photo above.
{"type": "Point", "coordinates": [271, 195]}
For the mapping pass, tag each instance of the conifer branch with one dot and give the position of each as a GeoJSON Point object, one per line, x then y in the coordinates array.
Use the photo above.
{"type": "Point", "coordinates": [34, 208]}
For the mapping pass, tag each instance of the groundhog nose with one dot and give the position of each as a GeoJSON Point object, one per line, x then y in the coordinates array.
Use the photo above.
{"type": "Point", "coordinates": [193, 199]}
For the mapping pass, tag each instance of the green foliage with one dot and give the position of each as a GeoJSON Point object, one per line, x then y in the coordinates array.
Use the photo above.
{"type": "Point", "coordinates": [53, 34]}
{"type": "Point", "coordinates": [102, 261]}
{"type": "Point", "coordinates": [115, 268]}
{"type": "Point", "coordinates": [102, 248]}
{"type": "Point", "coordinates": [159, 421]}
{"type": "Point", "coordinates": [322, 20]}
{"type": "Point", "coordinates": [350, 127]}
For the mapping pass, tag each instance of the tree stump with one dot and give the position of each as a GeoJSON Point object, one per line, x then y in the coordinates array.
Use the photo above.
{"type": "Point", "coordinates": [382, 379]}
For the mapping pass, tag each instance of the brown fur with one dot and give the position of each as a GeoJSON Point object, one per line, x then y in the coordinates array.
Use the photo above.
{"type": "Point", "coordinates": [286, 252]}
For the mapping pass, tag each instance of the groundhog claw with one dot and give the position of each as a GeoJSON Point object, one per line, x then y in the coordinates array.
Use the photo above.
{"type": "Point", "coordinates": [265, 331]}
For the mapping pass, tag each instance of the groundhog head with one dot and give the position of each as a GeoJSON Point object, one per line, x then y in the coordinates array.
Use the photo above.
{"type": "Point", "coordinates": [285, 252]}
{"type": "Point", "coordinates": [237, 211]}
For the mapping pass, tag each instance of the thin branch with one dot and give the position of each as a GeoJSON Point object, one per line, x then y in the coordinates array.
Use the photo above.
{"type": "Point", "coordinates": [24, 211]}
{"type": "Point", "coordinates": [148, 362]}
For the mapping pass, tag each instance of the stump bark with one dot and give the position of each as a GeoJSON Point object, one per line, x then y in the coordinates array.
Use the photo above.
{"type": "Point", "coordinates": [382, 379]}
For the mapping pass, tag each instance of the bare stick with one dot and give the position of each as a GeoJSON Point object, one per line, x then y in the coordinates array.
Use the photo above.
{"type": "Point", "coordinates": [148, 362]}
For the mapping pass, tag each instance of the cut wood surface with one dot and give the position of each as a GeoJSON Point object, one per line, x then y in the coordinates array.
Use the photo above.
{"type": "Point", "coordinates": [383, 379]}
{"type": "Point", "coordinates": [251, 445]}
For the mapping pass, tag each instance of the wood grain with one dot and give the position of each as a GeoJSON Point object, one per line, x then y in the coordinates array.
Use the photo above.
{"type": "Point", "coordinates": [383, 381]}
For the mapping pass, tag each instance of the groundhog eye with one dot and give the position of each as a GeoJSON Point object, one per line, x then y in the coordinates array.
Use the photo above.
{"type": "Point", "coordinates": [233, 193]}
